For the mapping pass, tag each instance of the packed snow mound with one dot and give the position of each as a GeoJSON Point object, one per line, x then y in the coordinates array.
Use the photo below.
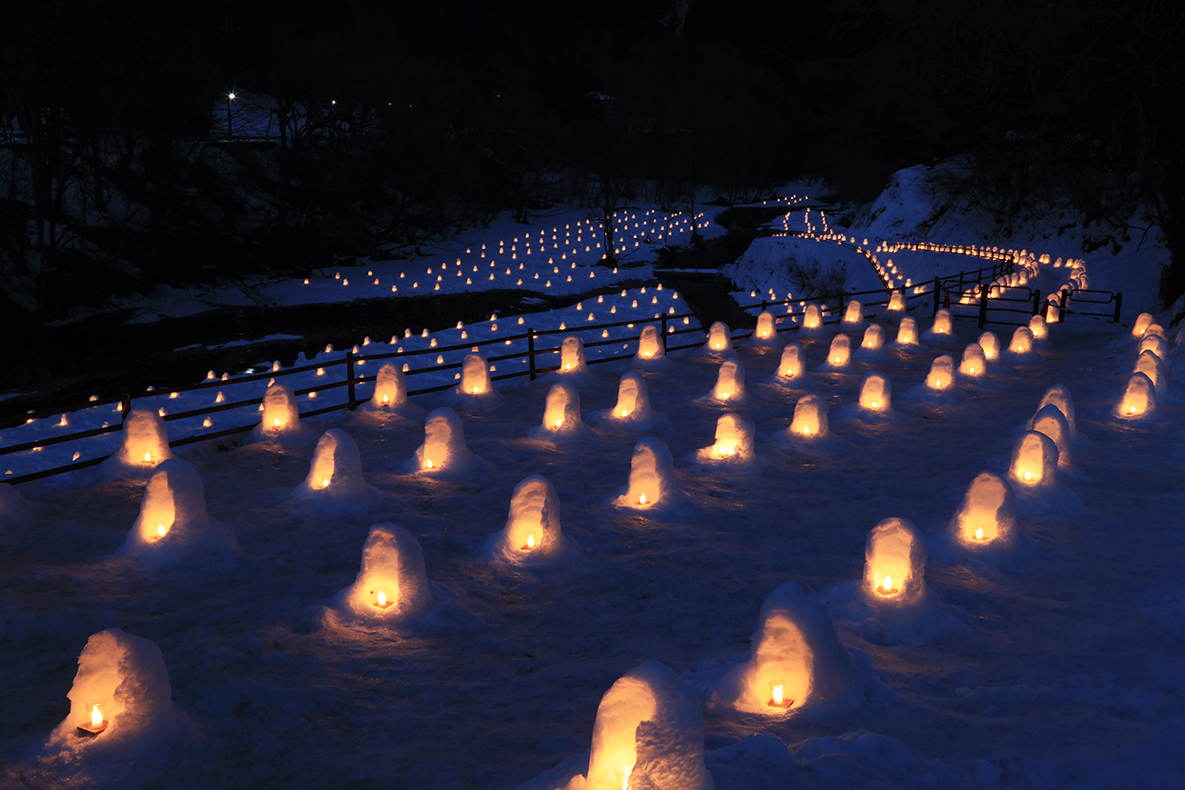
{"type": "Point", "coordinates": [649, 733]}
{"type": "Point", "coordinates": [561, 415]}
{"type": "Point", "coordinates": [121, 704]}
{"type": "Point", "coordinates": [443, 453]}
{"type": "Point", "coordinates": [632, 409]}
{"type": "Point", "coordinates": [12, 504]}
{"type": "Point", "coordinates": [145, 444]}
{"type": "Point", "coordinates": [532, 533]}
{"type": "Point", "coordinates": [335, 481]}
{"type": "Point", "coordinates": [392, 586]}
{"type": "Point", "coordinates": [797, 666]}
{"type": "Point", "coordinates": [652, 478]}
{"type": "Point", "coordinates": [173, 524]}
{"type": "Point", "coordinates": [798, 267]}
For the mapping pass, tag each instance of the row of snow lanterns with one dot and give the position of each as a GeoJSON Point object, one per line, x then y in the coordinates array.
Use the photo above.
{"type": "Point", "coordinates": [666, 225]}
{"type": "Point", "coordinates": [1148, 375]}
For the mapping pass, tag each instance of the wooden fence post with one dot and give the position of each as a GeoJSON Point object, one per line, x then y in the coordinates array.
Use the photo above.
{"type": "Point", "coordinates": [983, 299]}
{"type": "Point", "coordinates": [531, 350]}
{"type": "Point", "coordinates": [125, 404]}
{"type": "Point", "coordinates": [352, 400]}
{"type": "Point", "coordinates": [1118, 306]}
{"type": "Point", "coordinates": [1036, 301]}
{"type": "Point", "coordinates": [937, 285]}
{"type": "Point", "coordinates": [664, 331]}
{"type": "Point", "coordinates": [1061, 315]}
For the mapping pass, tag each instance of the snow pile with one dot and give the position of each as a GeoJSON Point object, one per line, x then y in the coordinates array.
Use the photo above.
{"type": "Point", "coordinates": [121, 718]}
{"type": "Point", "coordinates": [730, 383]}
{"type": "Point", "coordinates": [144, 445]}
{"type": "Point", "coordinates": [792, 366]}
{"type": "Point", "coordinates": [632, 409]}
{"type": "Point", "coordinates": [532, 532]}
{"type": "Point", "coordinates": [652, 478]}
{"type": "Point", "coordinates": [392, 586]}
{"type": "Point", "coordinates": [443, 452]}
{"type": "Point", "coordinates": [734, 442]}
{"type": "Point", "coordinates": [561, 414]}
{"type": "Point", "coordinates": [335, 481]}
{"type": "Point", "coordinates": [719, 342]}
{"type": "Point", "coordinates": [280, 420]}
{"type": "Point", "coordinates": [797, 665]}
{"type": "Point", "coordinates": [173, 524]}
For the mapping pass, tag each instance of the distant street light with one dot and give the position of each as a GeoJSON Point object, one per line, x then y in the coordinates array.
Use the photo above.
{"type": "Point", "coordinates": [229, 98]}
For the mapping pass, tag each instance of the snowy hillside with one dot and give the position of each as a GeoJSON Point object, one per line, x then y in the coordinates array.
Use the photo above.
{"type": "Point", "coordinates": [392, 597]}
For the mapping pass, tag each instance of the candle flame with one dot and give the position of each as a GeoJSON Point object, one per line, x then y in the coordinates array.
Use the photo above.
{"type": "Point", "coordinates": [147, 457]}
{"type": "Point", "coordinates": [876, 404]}
{"type": "Point", "coordinates": [530, 541]}
{"type": "Point", "coordinates": [428, 464]}
{"type": "Point", "coordinates": [779, 698]}
{"type": "Point", "coordinates": [625, 771]}
{"type": "Point", "coordinates": [887, 586]}
{"type": "Point", "coordinates": [1028, 475]}
{"type": "Point", "coordinates": [96, 716]}
{"type": "Point", "coordinates": [643, 499]}
{"type": "Point", "coordinates": [382, 598]}
{"type": "Point", "coordinates": [979, 533]}
{"type": "Point", "coordinates": [161, 529]}
{"type": "Point", "coordinates": [325, 483]}
{"type": "Point", "coordinates": [558, 422]}
{"type": "Point", "coordinates": [385, 399]}
{"type": "Point", "coordinates": [276, 422]}
{"type": "Point", "coordinates": [623, 412]}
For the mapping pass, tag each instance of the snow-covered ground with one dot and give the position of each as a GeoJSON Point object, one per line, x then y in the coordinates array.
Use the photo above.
{"type": "Point", "coordinates": [1061, 665]}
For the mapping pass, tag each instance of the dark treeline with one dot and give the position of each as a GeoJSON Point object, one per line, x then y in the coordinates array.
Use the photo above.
{"type": "Point", "coordinates": [393, 123]}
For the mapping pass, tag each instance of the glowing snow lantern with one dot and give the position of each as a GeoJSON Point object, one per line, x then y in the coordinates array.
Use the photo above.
{"type": "Point", "coordinates": [1139, 398]}
{"type": "Point", "coordinates": [649, 733]}
{"type": "Point", "coordinates": [734, 440]}
{"type": "Point", "coordinates": [1034, 461]}
{"type": "Point", "coordinates": [907, 332]}
{"type": "Point", "coordinates": [561, 415]}
{"type": "Point", "coordinates": [1050, 421]}
{"type": "Point", "coordinates": [730, 382]}
{"type": "Point", "coordinates": [876, 393]}
{"type": "Point", "coordinates": [390, 388]}
{"type": "Point", "coordinates": [719, 339]}
{"type": "Point", "coordinates": [942, 373]}
{"type": "Point", "coordinates": [1022, 341]}
{"type": "Point", "coordinates": [942, 323]}
{"type": "Point", "coordinates": [897, 302]}
{"type": "Point", "coordinates": [840, 353]}
{"type": "Point", "coordinates": [812, 317]}
{"type": "Point", "coordinates": [650, 344]}
{"type": "Point", "coordinates": [974, 363]}
{"type": "Point", "coordinates": [990, 344]}
{"type": "Point", "coordinates": [392, 584]}
{"type": "Point", "coordinates": [796, 659]}
{"type": "Point", "coordinates": [532, 529]}
{"type": "Point", "coordinates": [1059, 396]}
{"type": "Point", "coordinates": [145, 441]}
{"type": "Point", "coordinates": [854, 314]}
{"type": "Point", "coordinates": [280, 413]}
{"type": "Point", "coordinates": [121, 689]}
{"type": "Point", "coordinates": [173, 521]}
{"type": "Point", "coordinates": [444, 443]}
{"type": "Point", "coordinates": [475, 376]}
{"type": "Point", "coordinates": [1143, 321]}
{"type": "Point", "coordinates": [766, 331]}
{"type": "Point", "coordinates": [572, 356]}
{"type": "Point", "coordinates": [810, 418]}
{"type": "Point", "coordinates": [987, 514]}
{"type": "Point", "coordinates": [1038, 328]}
{"type": "Point", "coordinates": [1154, 343]}
{"type": "Point", "coordinates": [1151, 366]}
{"type": "Point", "coordinates": [894, 563]}
{"type": "Point", "coordinates": [792, 364]}
{"type": "Point", "coordinates": [335, 474]}
{"type": "Point", "coordinates": [652, 476]}
{"type": "Point", "coordinates": [874, 338]}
